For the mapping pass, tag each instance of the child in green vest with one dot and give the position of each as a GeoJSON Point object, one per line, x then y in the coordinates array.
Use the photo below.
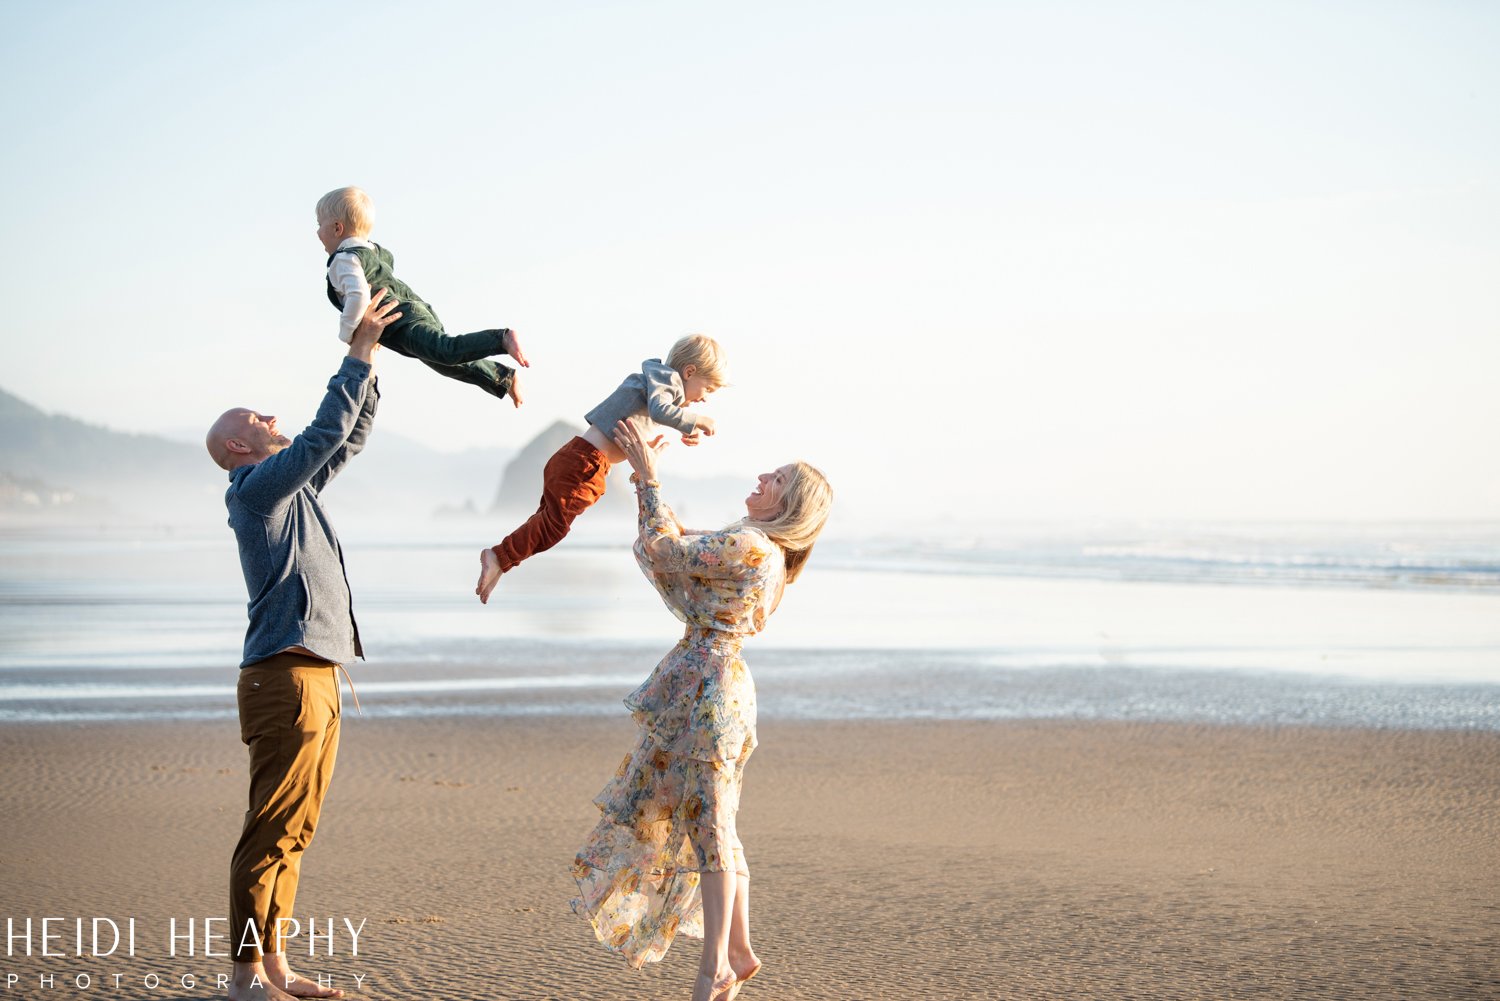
{"type": "Point", "coordinates": [355, 266]}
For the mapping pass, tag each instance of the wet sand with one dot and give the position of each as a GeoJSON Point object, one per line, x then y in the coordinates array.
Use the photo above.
{"type": "Point", "coordinates": [889, 859]}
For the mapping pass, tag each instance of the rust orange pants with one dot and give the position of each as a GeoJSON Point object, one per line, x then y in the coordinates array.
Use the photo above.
{"type": "Point", "coordinates": [572, 482]}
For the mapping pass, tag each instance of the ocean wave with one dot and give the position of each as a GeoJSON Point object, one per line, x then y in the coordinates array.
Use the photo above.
{"type": "Point", "coordinates": [1444, 557]}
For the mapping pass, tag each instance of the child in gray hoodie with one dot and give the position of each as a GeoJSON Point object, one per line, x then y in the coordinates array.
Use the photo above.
{"type": "Point", "coordinates": [573, 479]}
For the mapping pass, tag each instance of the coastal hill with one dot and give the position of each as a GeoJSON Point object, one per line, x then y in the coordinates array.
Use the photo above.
{"type": "Point", "coordinates": [64, 469]}
{"type": "Point", "coordinates": [61, 468]}
{"type": "Point", "coordinates": [68, 452]}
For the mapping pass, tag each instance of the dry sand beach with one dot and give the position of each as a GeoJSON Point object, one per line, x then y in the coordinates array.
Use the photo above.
{"type": "Point", "coordinates": [890, 860]}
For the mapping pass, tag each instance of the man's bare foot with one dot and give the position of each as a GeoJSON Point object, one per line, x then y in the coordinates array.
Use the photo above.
{"type": "Point", "coordinates": [513, 348]}
{"type": "Point", "coordinates": [302, 988]}
{"type": "Point", "coordinates": [284, 979]}
{"type": "Point", "coordinates": [515, 389]}
{"type": "Point", "coordinates": [489, 575]}
{"type": "Point", "coordinates": [251, 983]}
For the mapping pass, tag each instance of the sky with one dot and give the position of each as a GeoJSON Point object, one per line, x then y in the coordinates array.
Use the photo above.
{"type": "Point", "coordinates": [1065, 260]}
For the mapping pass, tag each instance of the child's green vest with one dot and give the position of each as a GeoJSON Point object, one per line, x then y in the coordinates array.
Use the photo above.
{"type": "Point", "coordinates": [380, 270]}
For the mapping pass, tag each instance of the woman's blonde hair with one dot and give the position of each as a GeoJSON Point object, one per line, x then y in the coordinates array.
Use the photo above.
{"type": "Point", "coordinates": [805, 504]}
{"type": "Point", "coordinates": [350, 206]}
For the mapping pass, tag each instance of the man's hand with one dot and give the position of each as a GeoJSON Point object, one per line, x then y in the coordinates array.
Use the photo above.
{"type": "Point", "coordinates": [378, 316]}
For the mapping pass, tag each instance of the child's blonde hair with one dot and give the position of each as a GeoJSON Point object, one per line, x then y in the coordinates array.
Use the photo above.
{"type": "Point", "coordinates": [702, 351]}
{"type": "Point", "coordinates": [805, 503]}
{"type": "Point", "coordinates": [350, 206]}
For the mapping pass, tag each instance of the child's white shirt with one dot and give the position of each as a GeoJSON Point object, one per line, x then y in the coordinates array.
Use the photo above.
{"type": "Point", "coordinates": [347, 276]}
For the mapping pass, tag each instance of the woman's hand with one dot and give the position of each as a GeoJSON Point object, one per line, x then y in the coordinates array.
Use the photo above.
{"type": "Point", "coordinates": [641, 454]}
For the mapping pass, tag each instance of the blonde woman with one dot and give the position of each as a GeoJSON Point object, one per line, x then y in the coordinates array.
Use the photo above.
{"type": "Point", "coordinates": [665, 858]}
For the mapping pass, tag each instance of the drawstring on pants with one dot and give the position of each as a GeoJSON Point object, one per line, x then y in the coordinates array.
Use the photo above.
{"type": "Point", "coordinates": [352, 693]}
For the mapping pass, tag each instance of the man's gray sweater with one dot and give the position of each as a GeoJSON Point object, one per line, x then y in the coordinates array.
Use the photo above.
{"type": "Point", "coordinates": [294, 568]}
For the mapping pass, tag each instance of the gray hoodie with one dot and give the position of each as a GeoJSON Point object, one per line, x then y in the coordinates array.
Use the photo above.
{"type": "Point", "coordinates": [656, 391]}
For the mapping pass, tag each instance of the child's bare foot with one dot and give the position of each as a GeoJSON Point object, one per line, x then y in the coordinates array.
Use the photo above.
{"type": "Point", "coordinates": [515, 389]}
{"type": "Point", "coordinates": [513, 348]}
{"type": "Point", "coordinates": [489, 575]}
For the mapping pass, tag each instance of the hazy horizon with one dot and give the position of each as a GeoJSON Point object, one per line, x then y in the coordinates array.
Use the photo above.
{"type": "Point", "coordinates": [978, 261]}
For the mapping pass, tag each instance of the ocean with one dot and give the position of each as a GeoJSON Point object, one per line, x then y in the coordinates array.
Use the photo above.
{"type": "Point", "coordinates": [1334, 625]}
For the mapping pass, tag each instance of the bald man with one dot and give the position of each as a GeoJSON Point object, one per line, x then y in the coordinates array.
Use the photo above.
{"type": "Point", "coordinates": [301, 634]}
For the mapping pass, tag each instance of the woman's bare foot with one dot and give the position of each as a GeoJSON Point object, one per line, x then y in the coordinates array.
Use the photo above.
{"type": "Point", "coordinates": [298, 987]}
{"type": "Point", "coordinates": [489, 575]}
{"type": "Point", "coordinates": [744, 968]}
{"type": "Point", "coordinates": [515, 389]}
{"type": "Point", "coordinates": [713, 988]}
{"type": "Point", "coordinates": [513, 348]}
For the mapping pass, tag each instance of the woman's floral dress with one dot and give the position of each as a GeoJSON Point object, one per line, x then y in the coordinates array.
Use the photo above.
{"type": "Point", "coordinates": [669, 811]}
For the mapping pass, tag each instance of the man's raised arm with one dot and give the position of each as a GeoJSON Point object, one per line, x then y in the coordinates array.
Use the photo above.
{"type": "Point", "coordinates": [375, 320]}
{"type": "Point", "coordinates": [325, 442]}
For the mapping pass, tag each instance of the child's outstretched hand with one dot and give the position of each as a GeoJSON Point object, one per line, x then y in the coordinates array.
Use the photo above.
{"type": "Point", "coordinates": [701, 426]}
